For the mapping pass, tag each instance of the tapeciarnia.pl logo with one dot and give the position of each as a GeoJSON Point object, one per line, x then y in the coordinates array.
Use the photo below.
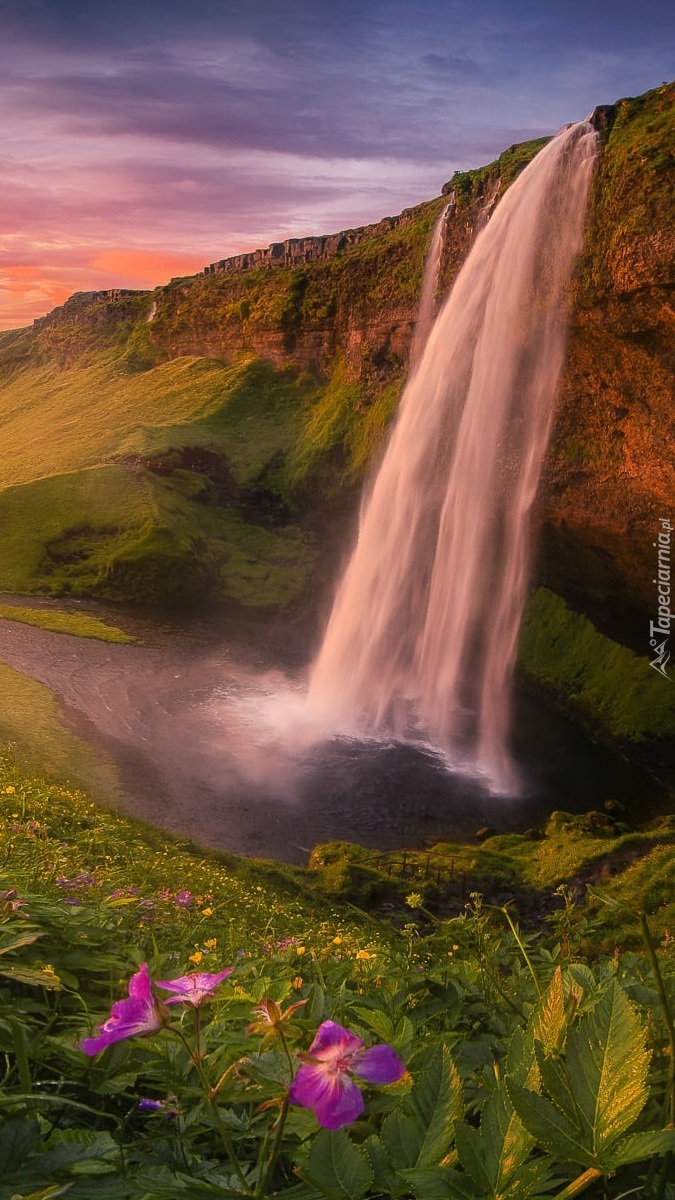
{"type": "Point", "coordinates": [661, 626]}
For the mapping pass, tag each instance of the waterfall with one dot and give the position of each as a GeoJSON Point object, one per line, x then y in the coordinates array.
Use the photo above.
{"type": "Point", "coordinates": [427, 309]}
{"type": "Point", "coordinates": [423, 633]}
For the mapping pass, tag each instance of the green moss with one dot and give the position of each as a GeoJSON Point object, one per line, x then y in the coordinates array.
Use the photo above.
{"type": "Point", "coordinates": [596, 676]}
{"type": "Point", "coordinates": [77, 624]}
{"type": "Point", "coordinates": [30, 720]}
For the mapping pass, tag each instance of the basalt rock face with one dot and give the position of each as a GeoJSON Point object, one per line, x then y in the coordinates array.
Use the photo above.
{"type": "Point", "coordinates": [610, 471]}
{"type": "Point", "coordinates": [339, 311]}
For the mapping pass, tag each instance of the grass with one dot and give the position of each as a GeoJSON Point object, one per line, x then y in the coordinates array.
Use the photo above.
{"type": "Point", "coordinates": [87, 896]}
{"type": "Point", "coordinates": [30, 720]}
{"type": "Point", "coordinates": [596, 676]}
{"type": "Point", "coordinates": [76, 624]}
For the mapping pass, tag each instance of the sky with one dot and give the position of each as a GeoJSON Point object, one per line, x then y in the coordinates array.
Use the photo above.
{"type": "Point", "coordinates": [143, 139]}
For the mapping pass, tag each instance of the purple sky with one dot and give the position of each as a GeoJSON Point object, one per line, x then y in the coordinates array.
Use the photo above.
{"type": "Point", "coordinates": [143, 139]}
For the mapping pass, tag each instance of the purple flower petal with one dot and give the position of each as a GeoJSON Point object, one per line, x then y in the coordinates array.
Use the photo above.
{"type": "Point", "coordinates": [379, 1064]}
{"type": "Point", "coordinates": [138, 1014]}
{"type": "Point", "coordinates": [335, 1099]}
{"type": "Point", "coordinates": [194, 988]}
{"type": "Point", "coordinates": [333, 1042]}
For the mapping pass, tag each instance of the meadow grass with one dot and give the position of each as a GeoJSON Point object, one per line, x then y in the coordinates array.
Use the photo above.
{"type": "Point", "coordinates": [59, 621]}
{"type": "Point", "coordinates": [87, 897]}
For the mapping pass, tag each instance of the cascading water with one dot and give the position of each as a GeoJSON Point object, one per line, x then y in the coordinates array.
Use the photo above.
{"type": "Point", "coordinates": [427, 309]}
{"type": "Point", "coordinates": [422, 638]}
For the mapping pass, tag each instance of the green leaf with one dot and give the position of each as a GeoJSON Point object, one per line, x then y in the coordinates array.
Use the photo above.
{"type": "Point", "coordinates": [607, 1063]}
{"type": "Point", "coordinates": [26, 940]}
{"type": "Point", "coordinates": [548, 1126]}
{"type": "Point", "coordinates": [549, 1019]}
{"type": "Point", "coordinates": [471, 1157]}
{"type": "Point", "coordinates": [638, 1146]}
{"type": "Point", "coordinates": [17, 1140]}
{"type": "Point", "coordinates": [376, 1020]}
{"type": "Point", "coordinates": [505, 1144]}
{"type": "Point", "coordinates": [402, 1137]}
{"type": "Point", "coordinates": [338, 1167]}
{"type": "Point", "coordinates": [384, 1176]}
{"type": "Point", "coordinates": [440, 1183]}
{"type": "Point", "coordinates": [435, 1104]}
{"type": "Point", "coordinates": [35, 976]}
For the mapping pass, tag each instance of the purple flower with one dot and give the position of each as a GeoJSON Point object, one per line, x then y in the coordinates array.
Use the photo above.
{"type": "Point", "coordinates": [323, 1083]}
{"type": "Point", "coordinates": [146, 1105]}
{"type": "Point", "coordinates": [195, 988]}
{"type": "Point", "coordinates": [183, 899]}
{"type": "Point", "coordinates": [139, 1014]}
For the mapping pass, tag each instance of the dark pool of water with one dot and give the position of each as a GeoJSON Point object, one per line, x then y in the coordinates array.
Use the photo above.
{"type": "Point", "coordinates": [186, 727]}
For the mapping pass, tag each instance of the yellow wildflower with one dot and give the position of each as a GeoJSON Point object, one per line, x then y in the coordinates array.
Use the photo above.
{"type": "Point", "coordinates": [207, 912]}
{"type": "Point", "coordinates": [297, 982]}
{"type": "Point", "coordinates": [10, 790]}
{"type": "Point", "coordinates": [197, 957]}
{"type": "Point", "coordinates": [337, 941]}
{"type": "Point", "coordinates": [364, 956]}
{"type": "Point", "coordinates": [211, 943]}
{"type": "Point", "coordinates": [300, 949]}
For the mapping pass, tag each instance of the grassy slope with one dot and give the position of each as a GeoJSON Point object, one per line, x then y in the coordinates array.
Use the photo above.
{"type": "Point", "coordinates": [77, 624]}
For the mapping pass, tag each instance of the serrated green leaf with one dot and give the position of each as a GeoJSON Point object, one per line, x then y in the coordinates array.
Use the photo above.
{"type": "Point", "coordinates": [338, 1166]}
{"type": "Point", "coordinates": [638, 1146]}
{"type": "Point", "coordinates": [376, 1020]}
{"type": "Point", "coordinates": [384, 1176]}
{"type": "Point", "coordinates": [607, 1063]}
{"type": "Point", "coordinates": [549, 1127]}
{"type": "Point", "coordinates": [549, 1019]}
{"type": "Point", "coordinates": [471, 1157]}
{"type": "Point", "coordinates": [402, 1137]}
{"type": "Point", "coordinates": [435, 1104]}
{"type": "Point", "coordinates": [439, 1183]}
{"type": "Point", "coordinates": [505, 1144]}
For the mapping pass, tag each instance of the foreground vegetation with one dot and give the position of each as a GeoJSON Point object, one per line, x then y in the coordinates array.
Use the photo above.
{"type": "Point", "coordinates": [534, 1064]}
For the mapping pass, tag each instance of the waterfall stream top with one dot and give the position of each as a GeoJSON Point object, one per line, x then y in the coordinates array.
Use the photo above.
{"type": "Point", "coordinates": [422, 639]}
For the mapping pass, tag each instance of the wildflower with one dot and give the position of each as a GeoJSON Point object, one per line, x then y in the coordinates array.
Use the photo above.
{"type": "Point", "coordinates": [323, 1083]}
{"type": "Point", "coordinates": [414, 900]}
{"type": "Point", "coordinates": [337, 941]}
{"type": "Point", "coordinates": [364, 956]}
{"type": "Point", "coordinates": [169, 1107]}
{"type": "Point", "coordinates": [139, 1014]}
{"type": "Point", "coordinates": [10, 790]}
{"type": "Point", "coordinates": [195, 988]}
{"type": "Point", "coordinates": [297, 982]}
{"type": "Point", "coordinates": [210, 944]}
{"type": "Point", "coordinates": [301, 950]}
{"type": "Point", "coordinates": [207, 912]}
{"type": "Point", "coordinates": [197, 957]}
{"type": "Point", "coordinates": [272, 1021]}
{"type": "Point", "coordinates": [183, 899]}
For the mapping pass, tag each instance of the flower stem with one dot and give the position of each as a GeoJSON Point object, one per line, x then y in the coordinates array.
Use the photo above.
{"type": "Point", "coordinates": [579, 1184]}
{"type": "Point", "coordinates": [514, 931]}
{"type": "Point", "coordinates": [211, 1099]}
{"type": "Point", "coordinates": [665, 1006]}
{"type": "Point", "coordinates": [276, 1145]}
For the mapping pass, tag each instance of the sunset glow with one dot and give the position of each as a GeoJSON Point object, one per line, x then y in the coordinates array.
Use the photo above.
{"type": "Point", "coordinates": [144, 141]}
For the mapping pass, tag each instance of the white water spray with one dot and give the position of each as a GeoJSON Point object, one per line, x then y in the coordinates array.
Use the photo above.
{"type": "Point", "coordinates": [422, 638]}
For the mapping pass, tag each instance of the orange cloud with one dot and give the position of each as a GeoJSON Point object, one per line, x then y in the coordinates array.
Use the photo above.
{"type": "Point", "coordinates": [148, 267]}
{"type": "Point", "coordinates": [27, 290]}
